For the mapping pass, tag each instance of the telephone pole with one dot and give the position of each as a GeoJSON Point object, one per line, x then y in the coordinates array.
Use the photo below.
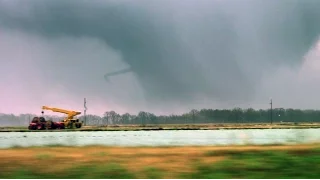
{"type": "Point", "coordinates": [193, 116]}
{"type": "Point", "coordinates": [85, 110]}
{"type": "Point", "coordinates": [271, 110]}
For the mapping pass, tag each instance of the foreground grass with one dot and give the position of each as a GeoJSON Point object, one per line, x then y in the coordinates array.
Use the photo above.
{"type": "Point", "coordinates": [279, 161]}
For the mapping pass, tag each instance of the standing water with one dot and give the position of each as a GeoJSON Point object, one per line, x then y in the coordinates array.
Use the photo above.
{"type": "Point", "coordinates": [160, 138]}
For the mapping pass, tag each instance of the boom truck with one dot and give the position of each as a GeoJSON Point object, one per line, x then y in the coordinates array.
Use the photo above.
{"type": "Point", "coordinates": [39, 123]}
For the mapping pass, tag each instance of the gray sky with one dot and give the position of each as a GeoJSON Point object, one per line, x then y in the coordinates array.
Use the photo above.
{"type": "Point", "coordinates": [182, 54]}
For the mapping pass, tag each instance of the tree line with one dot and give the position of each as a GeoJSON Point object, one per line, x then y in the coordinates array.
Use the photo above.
{"type": "Point", "coordinates": [236, 115]}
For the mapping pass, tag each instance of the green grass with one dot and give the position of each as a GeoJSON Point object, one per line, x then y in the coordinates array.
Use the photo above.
{"type": "Point", "coordinates": [97, 171]}
{"type": "Point", "coordinates": [261, 165]}
{"type": "Point", "coordinates": [153, 173]}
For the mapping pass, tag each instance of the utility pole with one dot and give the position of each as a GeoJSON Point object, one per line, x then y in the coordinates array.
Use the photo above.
{"type": "Point", "coordinates": [271, 110]}
{"type": "Point", "coordinates": [85, 110]}
{"type": "Point", "coordinates": [193, 117]}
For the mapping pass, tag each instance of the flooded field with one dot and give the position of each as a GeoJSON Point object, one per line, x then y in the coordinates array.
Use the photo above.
{"type": "Point", "coordinates": [161, 138]}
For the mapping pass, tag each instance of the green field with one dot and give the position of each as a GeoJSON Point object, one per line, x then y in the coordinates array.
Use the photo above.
{"type": "Point", "coordinates": [294, 161]}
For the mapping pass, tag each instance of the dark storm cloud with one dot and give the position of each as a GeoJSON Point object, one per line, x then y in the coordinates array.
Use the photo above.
{"type": "Point", "coordinates": [178, 50]}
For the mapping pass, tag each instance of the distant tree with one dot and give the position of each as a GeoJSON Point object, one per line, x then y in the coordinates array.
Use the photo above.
{"type": "Point", "coordinates": [236, 115]}
{"type": "Point", "coordinates": [142, 116]}
{"type": "Point", "coordinates": [194, 113]}
{"type": "Point", "coordinates": [126, 118]}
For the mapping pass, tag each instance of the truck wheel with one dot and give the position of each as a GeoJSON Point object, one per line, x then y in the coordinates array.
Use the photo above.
{"type": "Point", "coordinates": [78, 125]}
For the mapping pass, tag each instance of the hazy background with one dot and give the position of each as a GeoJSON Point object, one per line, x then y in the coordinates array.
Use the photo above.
{"type": "Point", "coordinates": [182, 54]}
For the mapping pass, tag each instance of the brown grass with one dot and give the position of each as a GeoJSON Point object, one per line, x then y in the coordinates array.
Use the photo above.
{"type": "Point", "coordinates": [172, 160]}
{"type": "Point", "coordinates": [211, 126]}
{"type": "Point", "coordinates": [208, 126]}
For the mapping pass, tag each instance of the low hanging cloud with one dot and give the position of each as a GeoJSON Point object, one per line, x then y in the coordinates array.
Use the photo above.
{"type": "Point", "coordinates": [165, 56]}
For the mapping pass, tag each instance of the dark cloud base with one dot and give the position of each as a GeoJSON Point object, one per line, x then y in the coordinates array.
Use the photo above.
{"type": "Point", "coordinates": [219, 53]}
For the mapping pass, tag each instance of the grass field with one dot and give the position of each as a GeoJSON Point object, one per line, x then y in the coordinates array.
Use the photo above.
{"type": "Point", "coordinates": [181, 127]}
{"type": "Point", "coordinates": [278, 161]}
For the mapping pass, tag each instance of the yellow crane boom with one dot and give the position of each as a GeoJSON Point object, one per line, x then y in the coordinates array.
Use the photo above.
{"type": "Point", "coordinates": [70, 114]}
